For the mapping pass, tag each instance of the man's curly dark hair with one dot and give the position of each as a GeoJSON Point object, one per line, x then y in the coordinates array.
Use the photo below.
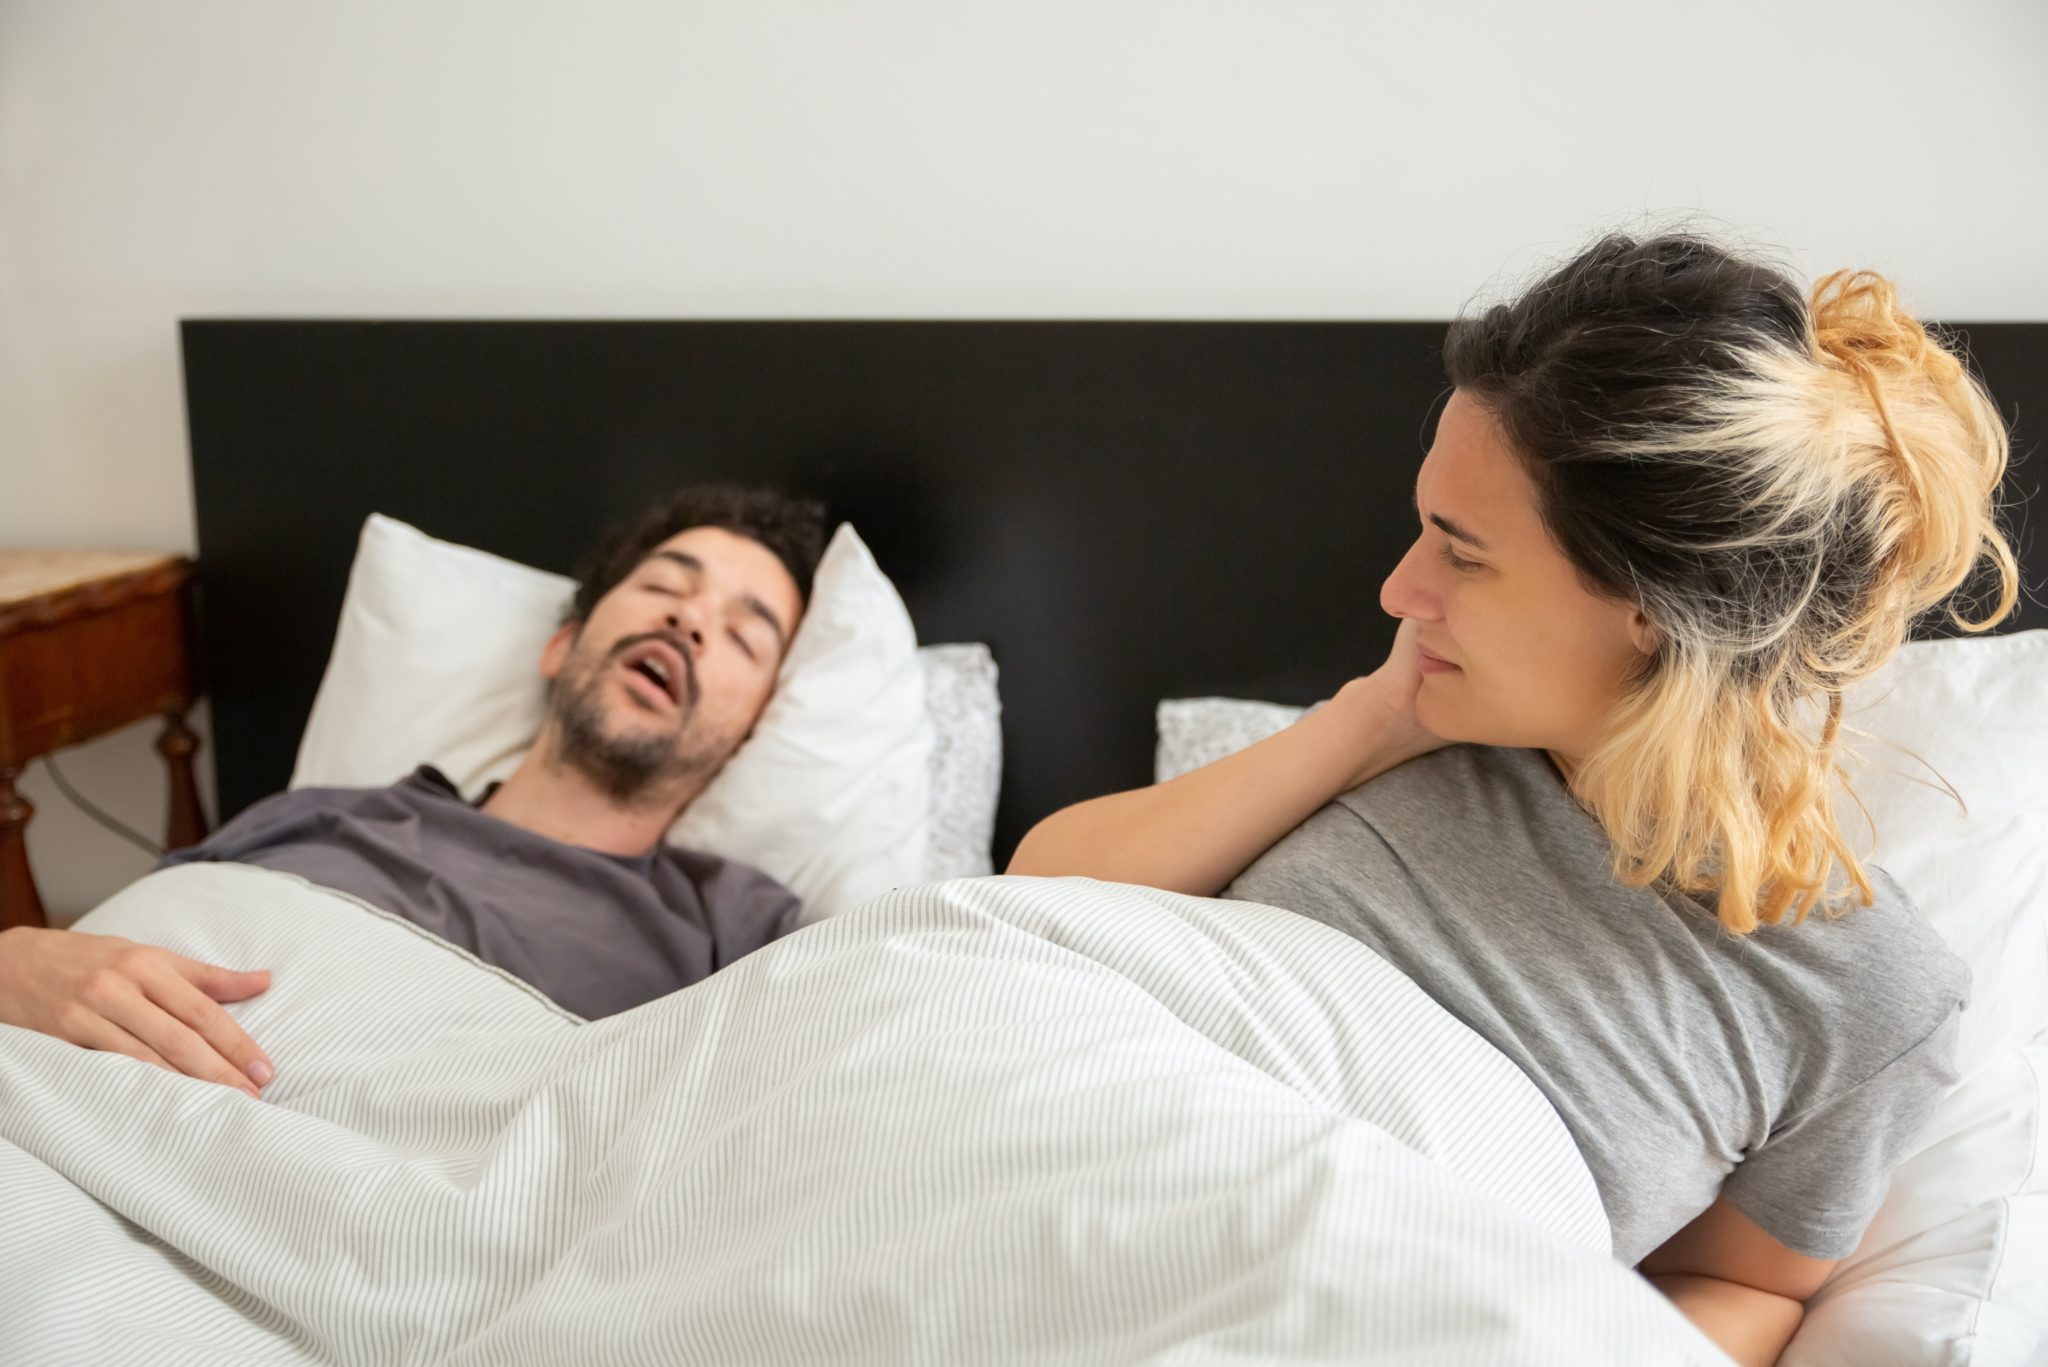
{"type": "Point", "coordinates": [793, 528]}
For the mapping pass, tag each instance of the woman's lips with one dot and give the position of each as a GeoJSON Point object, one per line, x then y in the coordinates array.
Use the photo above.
{"type": "Point", "coordinates": [1432, 664]}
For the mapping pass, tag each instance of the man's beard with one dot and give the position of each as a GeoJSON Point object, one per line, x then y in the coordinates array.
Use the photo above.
{"type": "Point", "coordinates": [634, 769]}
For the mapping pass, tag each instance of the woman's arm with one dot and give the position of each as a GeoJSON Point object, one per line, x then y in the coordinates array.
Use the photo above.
{"type": "Point", "coordinates": [1742, 1288]}
{"type": "Point", "coordinates": [1197, 832]}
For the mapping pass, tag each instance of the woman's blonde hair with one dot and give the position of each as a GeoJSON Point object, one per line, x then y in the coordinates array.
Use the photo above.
{"type": "Point", "coordinates": [1782, 483]}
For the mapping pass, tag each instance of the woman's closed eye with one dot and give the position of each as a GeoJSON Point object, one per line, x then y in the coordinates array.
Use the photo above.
{"type": "Point", "coordinates": [1456, 561]}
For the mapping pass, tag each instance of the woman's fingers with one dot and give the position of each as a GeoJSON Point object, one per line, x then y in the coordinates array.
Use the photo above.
{"type": "Point", "coordinates": [97, 1032]}
{"type": "Point", "coordinates": [198, 1011]}
{"type": "Point", "coordinates": [176, 1045]}
{"type": "Point", "coordinates": [221, 984]}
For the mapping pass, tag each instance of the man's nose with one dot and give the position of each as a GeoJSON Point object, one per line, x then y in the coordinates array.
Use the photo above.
{"type": "Point", "coordinates": [687, 619]}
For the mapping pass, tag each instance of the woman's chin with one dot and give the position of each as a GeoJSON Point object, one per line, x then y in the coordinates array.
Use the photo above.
{"type": "Point", "coordinates": [1432, 713]}
{"type": "Point", "coordinates": [1445, 720]}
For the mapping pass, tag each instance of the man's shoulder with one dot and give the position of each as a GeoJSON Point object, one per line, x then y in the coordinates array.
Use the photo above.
{"type": "Point", "coordinates": [264, 821]}
{"type": "Point", "coordinates": [734, 891]}
{"type": "Point", "coordinates": [425, 782]}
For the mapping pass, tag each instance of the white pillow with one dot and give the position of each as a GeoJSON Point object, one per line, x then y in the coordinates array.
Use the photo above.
{"type": "Point", "coordinates": [967, 758]}
{"type": "Point", "coordinates": [1954, 1268]}
{"type": "Point", "coordinates": [1976, 710]}
{"type": "Point", "coordinates": [435, 662]}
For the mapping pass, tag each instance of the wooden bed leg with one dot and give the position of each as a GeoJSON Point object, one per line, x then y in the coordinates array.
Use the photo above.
{"type": "Point", "coordinates": [186, 824]}
{"type": "Point", "coordinates": [20, 905]}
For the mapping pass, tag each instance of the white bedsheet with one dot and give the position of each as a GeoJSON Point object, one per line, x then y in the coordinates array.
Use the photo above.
{"type": "Point", "coordinates": [1007, 1120]}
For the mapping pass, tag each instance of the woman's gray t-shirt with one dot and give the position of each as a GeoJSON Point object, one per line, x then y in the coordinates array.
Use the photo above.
{"type": "Point", "coordinates": [1786, 1069]}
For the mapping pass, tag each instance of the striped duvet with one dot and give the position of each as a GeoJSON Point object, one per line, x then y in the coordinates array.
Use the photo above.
{"type": "Point", "coordinates": [990, 1121]}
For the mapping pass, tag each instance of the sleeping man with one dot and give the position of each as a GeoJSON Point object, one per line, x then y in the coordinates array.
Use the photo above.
{"type": "Point", "coordinates": [559, 875]}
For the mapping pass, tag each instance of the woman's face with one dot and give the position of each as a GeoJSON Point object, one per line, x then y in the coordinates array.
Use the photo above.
{"type": "Point", "coordinates": [1516, 650]}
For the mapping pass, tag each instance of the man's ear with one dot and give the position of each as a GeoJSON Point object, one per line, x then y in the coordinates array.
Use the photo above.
{"type": "Point", "coordinates": [557, 649]}
{"type": "Point", "coordinates": [1643, 632]}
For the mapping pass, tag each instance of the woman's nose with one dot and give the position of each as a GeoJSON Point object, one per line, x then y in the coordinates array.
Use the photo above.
{"type": "Point", "coordinates": [1405, 593]}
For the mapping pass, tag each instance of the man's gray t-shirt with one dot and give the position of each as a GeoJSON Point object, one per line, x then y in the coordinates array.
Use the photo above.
{"type": "Point", "coordinates": [599, 933]}
{"type": "Point", "coordinates": [1785, 1069]}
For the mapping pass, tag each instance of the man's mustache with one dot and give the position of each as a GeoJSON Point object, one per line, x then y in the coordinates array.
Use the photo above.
{"type": "Point", "coordinates": [673, 642]}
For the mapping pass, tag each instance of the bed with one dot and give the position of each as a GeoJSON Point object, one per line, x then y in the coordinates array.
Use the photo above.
{"type": "Point", "coordinates": [1024, 1137]}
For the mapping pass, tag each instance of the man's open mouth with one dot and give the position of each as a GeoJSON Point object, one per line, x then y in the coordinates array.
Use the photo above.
{"type": "Point", "coordinates": [665, 667]}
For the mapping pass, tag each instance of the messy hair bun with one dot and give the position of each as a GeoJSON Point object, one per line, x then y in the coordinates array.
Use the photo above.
{"type": "Point", "coordinates": [1782, 483]}
{"type": "Point", "coordinates": [1934, 438]}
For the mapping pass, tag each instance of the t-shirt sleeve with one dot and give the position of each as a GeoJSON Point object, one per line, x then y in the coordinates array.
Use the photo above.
{"type": "Point", "coordinates": [1815, 1183]}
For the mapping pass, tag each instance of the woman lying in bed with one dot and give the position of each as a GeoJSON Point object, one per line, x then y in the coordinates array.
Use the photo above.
{"type": "Point", "coordinates": [1672, 511]}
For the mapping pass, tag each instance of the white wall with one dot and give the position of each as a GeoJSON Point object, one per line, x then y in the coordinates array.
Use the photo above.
{"type": "Point", "coordinates": [1156, 158]}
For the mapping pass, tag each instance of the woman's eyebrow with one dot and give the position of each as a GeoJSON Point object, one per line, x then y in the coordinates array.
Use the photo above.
{"type": "Point", "coordinates": [1452, 529]}
{"type": "Point", "coordinates": [1449, 528]}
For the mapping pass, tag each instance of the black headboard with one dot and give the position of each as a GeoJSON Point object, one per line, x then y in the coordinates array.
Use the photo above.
{"type": "Point", "coordinates": [1123, 511]}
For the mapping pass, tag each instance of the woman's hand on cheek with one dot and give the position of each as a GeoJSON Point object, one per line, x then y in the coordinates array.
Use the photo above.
{"type": "Point", "coordinates": [1383, 706]}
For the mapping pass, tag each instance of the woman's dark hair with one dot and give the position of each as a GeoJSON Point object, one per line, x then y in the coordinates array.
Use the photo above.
{"type": "Point", "coordinates": [1626, 341]}
{"type": "Point", "coordinates": [1781, 482]}
{"type": "Point", "coordinates": [792, 528]}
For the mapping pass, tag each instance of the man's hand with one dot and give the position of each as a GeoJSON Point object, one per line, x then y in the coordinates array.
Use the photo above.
{"type": "Point", "coordinates": [103, 992]}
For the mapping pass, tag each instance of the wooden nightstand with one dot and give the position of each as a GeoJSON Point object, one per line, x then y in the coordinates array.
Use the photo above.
{"type": "Point", "coordinates": [90, 641]}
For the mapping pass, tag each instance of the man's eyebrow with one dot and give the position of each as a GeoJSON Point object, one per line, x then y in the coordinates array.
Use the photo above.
{"type": "Point", "coordinates": [747, 600]}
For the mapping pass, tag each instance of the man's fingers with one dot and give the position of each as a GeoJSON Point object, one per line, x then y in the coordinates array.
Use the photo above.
{"type": "Point", "coordinates": [193, 1008]}
{"type": "Point", "coordinates": [222, 984]}
{"type": "Point", "coordinates": [180, 1046]}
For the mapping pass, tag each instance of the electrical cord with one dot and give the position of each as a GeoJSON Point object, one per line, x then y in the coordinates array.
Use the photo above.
{"type": "Point", "coordinates": [91, 809]}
